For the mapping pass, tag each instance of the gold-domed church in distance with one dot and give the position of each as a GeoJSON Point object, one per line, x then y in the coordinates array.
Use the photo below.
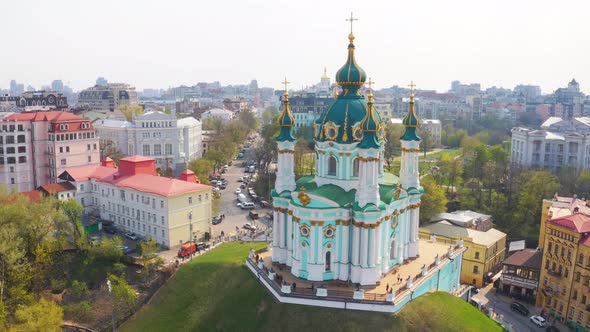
{"type": "Point", "coordinates": [351, 221]}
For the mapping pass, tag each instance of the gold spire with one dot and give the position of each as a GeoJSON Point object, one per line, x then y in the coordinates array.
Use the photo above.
{"type": "Point", "coordinates": [412, 86]}
{"type": "Point", "coordinates": [325, 76]}
{"type": "Point", "coordinates": [285, 82]}
{"type": "Point", "coordinates": [370, 96]}
{"type": "Point", "coordinates": [351, 20]}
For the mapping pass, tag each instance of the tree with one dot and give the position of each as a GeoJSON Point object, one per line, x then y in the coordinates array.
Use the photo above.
{"type": "Point", "coordinates": [392, 142]}
{"type": "Point", "coordinates": [72, 228]}
{"type": "Point", "coordinates": [129, 110]}
{"type": "Point", "coordinates": [433, 201]}
{"type": "Point", "coordinates": [108, 249]}
{"type": "Point", "coordinates": [212, 124]}
{"type": "Point", "coordinates": [202, 169]}
{"type": "Point", "coordinates": [568, 179]}
{"type": "Point", "coordinates": [42, 316]}
{"type": "Point", "coordinates": [123, 295]}
{"type": "Point", "coordinates": [583, 184]}
{"type": "Point", "coordinates": [150, 261]}
{"type": "Point", "coordinates": [247, 119]}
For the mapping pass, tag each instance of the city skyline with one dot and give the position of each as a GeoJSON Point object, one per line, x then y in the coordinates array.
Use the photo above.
{"type": "Point", "coordinates": [502, 44]}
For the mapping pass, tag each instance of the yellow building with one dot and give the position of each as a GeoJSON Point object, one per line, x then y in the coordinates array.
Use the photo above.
{"type": "Point", "coordinates": [565, 275]}
{"type": "Point", "coordinates": [485, 250]}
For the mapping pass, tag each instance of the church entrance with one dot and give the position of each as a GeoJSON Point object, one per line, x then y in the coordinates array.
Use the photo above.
{"type": "Point", "coordinates": [328, 261]}
{"type": "Point", "coordinates": [393, 250]}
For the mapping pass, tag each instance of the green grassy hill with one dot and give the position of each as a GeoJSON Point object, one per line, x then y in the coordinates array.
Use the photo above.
{"type": "Point", "coordinates": [215, 292]}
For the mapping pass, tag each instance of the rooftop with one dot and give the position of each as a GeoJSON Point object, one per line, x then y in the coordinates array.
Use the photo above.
{"type": "Point", "coordinates": [50, 116]}
{"type": "Point", "coordinates": [446, 229]}
{"type": "Point", "coordinates": [53, 188]}
{"type": "Point", "coordinates": [530, 258]}
{"type": "Point", "coordinates": [577, 222]}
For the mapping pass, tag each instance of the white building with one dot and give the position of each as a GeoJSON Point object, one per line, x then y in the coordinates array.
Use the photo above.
{"type": "Point", "coordinates": [170, 141]}
{"type": "Point", "coordinates": [558, 143]}
{"type": "Point", "coordinates": [218, 113]}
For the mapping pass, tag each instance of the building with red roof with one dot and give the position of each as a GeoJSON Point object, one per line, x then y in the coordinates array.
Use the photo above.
{"type": "Point", "coordinates": [565, 273]}
{"type": "Point", "coordinates": [138, 200]}
{"type": "Point", "coordinates": [61, 140]}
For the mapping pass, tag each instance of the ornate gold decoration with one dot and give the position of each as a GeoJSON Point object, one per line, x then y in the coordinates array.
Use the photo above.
{"type": "Point", "coordinates": [396, 212]}
{"type": "Point", "coordinates": [303, 197]}
{"type": "Point", "coordinates": [286, 151]}
{"type": "Point", "coordinates": [341, 154]}
{"type": "Point", "coordinates": [357, 132]}
{"type": "Point", "coordinates": [329, 232]}
{"type": "Point", "coordinates": [368, 159]}
{"type": "Point", "coordinates": [402, 210]}
{"type": "Point", "coordinates": [394, 222]}
{"type": "Point", "coordinates": [330, 131]}
{"type": "Point", "coordinates": [347, 154]}
{"type": "Point", "coordinates": [397, 193]}
{"type": "Point", "coordinates": [411, 150]}
{"type": "Point", "coordinates": [387, 217]}
{"type": "Point", "coordinates": [345, 134]}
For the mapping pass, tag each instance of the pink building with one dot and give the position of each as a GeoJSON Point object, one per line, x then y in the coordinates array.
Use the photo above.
{"type": "Point", "coordinates": [35, 147]}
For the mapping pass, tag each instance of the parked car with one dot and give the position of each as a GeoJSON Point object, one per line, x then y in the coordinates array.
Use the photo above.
{"type": "Point", "coordinates": [109, 229]}
{"type": "Point", "coordinates": [520, 308]}
{"type": "Point", "coordinates": [94, 240]}
{"type": "Point", "coordinates": [264, 204]}
{"type": "Point", "coordinates": [222, 187]}
{"type": "Point", "coordinates": [203, 246]}
{"type": "Point", "coordinates": [253, 214]}
{"type": "Point", "coordinates": [125, 249]}
{"type": "Point", "coordinates": [538, 320]}
{"type": "Point", "coordinates": [131, 236]}
{"type": "Point", "coordinates": [249, 226]}
{"type": "Point", "coordinates": [215, 189]}
{"type": "Point", "coordinates": [216, 220]}
{"type": "Point", "coordinates": [187, 249]}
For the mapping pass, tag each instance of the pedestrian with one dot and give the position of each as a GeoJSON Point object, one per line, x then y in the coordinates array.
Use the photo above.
{"type": "Point", "coordinates": [312, 287]}
{"type": "Point", "coordinates": [294, 286]}
{"type": "Point", "coordinates": [387, 288]}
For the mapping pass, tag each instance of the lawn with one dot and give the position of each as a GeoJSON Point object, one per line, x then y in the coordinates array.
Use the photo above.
{"type": "Point", "coordinates": [215, 292]}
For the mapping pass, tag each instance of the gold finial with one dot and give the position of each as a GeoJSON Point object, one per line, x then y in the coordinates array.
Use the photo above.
{"type": "Point", "coordinates": [351, 20]}
{"type": "Point", "coordinates": [285, 82]}
{"type": "Point", "coordinates": [370, 83]}
{"type": "Point", "coordinates": [412, 86]}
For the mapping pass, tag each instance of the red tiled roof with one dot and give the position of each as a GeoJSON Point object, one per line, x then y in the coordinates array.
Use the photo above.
{"type": "Point", "coordinates": [527, 258]}
{"type": "Point", "coordinates": [136, 158]}
{"type": "Point", "coordinates": [578, 222]}
{"type": "Point", "coordinates": [52, 188]}
{"type": "Point", "coordinates": [44, 116]}
{"type": "Point", "coordinates": [33, 195]}
{"type": "Point", "coordinates": [84, 173]}
{"type": "Point", "coordinates": [158, 185]}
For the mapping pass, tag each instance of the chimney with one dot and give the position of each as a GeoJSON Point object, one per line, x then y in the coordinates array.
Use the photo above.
{"type": "Point", "coordinates": [576, 209]}
{"type": "Point", "coordinates": [189, 176]}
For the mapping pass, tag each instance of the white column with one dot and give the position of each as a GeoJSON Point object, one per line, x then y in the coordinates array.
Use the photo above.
{"type": "Point", "coordinates": [355, 245]}
{"type": "Point", "coordinates": [344, 248]}
{"type": "Point", "coordinates": [372, 253]}
{"type": "Point", "coordinates": [364, 245]}
{"type": "Point", "coordinates": [275, 229]}
{"type": "Point", "coordinates": [282, 230]}
{"type": "Point", "coordinates": [378, 245]}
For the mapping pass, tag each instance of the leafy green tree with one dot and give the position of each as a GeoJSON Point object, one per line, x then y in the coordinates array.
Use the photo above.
{"type": "Point", "coordinates": [43, 316]}
{"type": "Point", "coordinates": [79, 290]}
{"type": "Point", "coordinates": [567, 178]}
{"type": "Point", "coordinates": [124, 296]}
{"type": "Point", "coordinates": [583, 184]}
{"type": "Point", "coordinates": [109, 249]}
{"type": "Point", "coordinates": [150, 261]}
{"type": "Point", "coordinates": [212, 124]}
{"type": "Point", "coordinates": [433, 201]}
{"type": "Point", "coordinates": [128, 111]}
{"type": "Point", "coordinates": [392, 146]}
{"type": "Point", "coordinates": [202, 169]}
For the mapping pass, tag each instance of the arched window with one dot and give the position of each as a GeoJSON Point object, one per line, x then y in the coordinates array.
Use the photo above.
{"type": "Point", "coordinates": [332, 165]}
{"type": "Point", "coordinates": [328, 260]}
{"type": "Point", "coordinates": [393, 251]}
{"type": "Point", "coordinates": [355, 167]}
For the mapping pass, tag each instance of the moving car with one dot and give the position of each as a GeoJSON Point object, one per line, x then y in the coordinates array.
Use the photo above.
{"type": "Point", "coordinates": [216, 220]}
{"type": "Point", "coordinates": [253, 214]}
{"type": "Point", "coordinates": [520, 308]}
{"type": "Point", "coordinates": [126, 250]}
{"type": "Point", "coordinates": [538, 320]}
{"type": "Point", "coordinates": [109, 229]}
{"type": "Point", "coordinates": [249, 226]}
{"type": "Point", "coordinates": [131, 236]}
{"type": "Point", "coordinates": [247, 205]}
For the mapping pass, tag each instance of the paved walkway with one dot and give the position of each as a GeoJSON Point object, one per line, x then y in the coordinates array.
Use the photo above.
{"type": "Point", "coordinates": [428, 250]}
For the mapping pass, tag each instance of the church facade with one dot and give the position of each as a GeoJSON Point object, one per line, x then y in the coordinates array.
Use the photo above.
{"type": "Point", "coordinates": [351, 220]}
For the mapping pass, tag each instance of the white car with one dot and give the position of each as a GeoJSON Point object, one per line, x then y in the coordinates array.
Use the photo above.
{"type": "Point", "coordinates": [238, 191]}
{"type": "Point", "coordinates": [249, 226]}
{"type": "Point", "coordinates": [131, 236]}
{"type": "Point", "coordinates": [538, 320]}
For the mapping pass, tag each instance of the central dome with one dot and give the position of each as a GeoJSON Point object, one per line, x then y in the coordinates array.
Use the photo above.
{"type": "Point", "coordinates": [340, 122]}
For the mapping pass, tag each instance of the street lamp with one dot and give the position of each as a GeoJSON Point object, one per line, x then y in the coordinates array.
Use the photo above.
{"type": "Point", "coordinates": [190, 226]}
{"type": "Point", "coordinates": [112, 302]}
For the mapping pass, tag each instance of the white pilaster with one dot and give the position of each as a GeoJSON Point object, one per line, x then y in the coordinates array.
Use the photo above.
{"type": "Point", "coordinates": [364, 245]}
{"type": "Point", "coordinates": [285, 179]}
{"type": "Point", "coordinates": [289, 240]}
{"type": "Point", "coordinates": [409, 170]}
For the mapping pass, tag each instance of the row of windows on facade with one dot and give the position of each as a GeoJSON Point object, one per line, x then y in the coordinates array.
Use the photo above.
{"type": "Point", "coordinates": [548, 158]}
{"type": "Point", "coordinates": [553, 302]}
{"type": "Point", "coordinates": [12, 150]}
{"type": "Point", "coordinates": [12, 139]}
{"type": "Point", "coordinates": [12, 128]}
{"type": "Point", "coordinates": [573, 146]}
{"type": "Point", "coordinates": [71, 136]}
{"type": "Point", "coordinates": [156, 124]}
{"type": "Point", "coordinates": [333, 166]}
{"type": "Point", "coordinates": [12, 160]}
{"type": "Point", "coordinates": [84, 125]}
{"type": "Point", "coordinates": [157, 149]}
{"type": "Point", "coordinates": [134, 213]}
{"type": "Point", "coordinates": [144, 199]}
{"type": "Point", "coordinates": [131, 224]}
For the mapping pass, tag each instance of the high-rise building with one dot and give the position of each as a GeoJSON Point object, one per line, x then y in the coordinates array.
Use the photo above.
{"type": "Point", "coordinates": [101, 81]}
{"type": "Point", "coordinates": [57, 86]}
{"type": "Point", "coordinates": [35, 147]}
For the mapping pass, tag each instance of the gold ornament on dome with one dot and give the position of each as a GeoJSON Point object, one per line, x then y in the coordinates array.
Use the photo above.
{"type": "Point", "coordinates": [303, 197]}
{"type": "Point", "coordinates": [394, 222]}
{"type": "Point", "coordinates": [330, 131]}
{"type": "Point", "coordinates": [397, 193]}
{"type": "Point", "coordinates": [381, 132]}
{"type": "Point", "coordinates": [357, 132]}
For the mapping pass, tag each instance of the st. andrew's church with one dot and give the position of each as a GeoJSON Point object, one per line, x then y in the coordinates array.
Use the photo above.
{"type": "Point", "coordinates": [350, 221]}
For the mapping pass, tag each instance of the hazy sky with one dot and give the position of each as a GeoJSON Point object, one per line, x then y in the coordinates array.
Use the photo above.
{"type": "Point", "coordinates": [158, 44]}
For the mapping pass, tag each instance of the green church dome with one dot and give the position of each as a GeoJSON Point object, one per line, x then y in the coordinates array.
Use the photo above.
{"type": "Point", "coordinates": [286, 120]}
{"type": "Point", "coordinates": [340, 121]}
{"type": "Point", "coordinates": [370, 126]}
{"type": "Point", "coordinates": [411, 122]}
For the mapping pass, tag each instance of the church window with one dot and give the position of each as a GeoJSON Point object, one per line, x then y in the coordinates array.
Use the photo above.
{"type": "Point", "coordinates": [332, 165]}
{"type": "Point", "coordinates": [304, 230]}
{"type": "Point", "coordinates": [328, 260]}
{"type": "Point", "coordinates": [329, 232]}
{"type": "Point", "coordinates": [355, 167]}
{"type": "Point", "coordinates": [393, 250]}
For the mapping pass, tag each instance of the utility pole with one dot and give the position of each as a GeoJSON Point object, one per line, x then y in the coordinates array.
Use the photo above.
{"type": "Point", "coordinates": [112, 302]}
{"type": "Point", "coordinates": [190, 226]}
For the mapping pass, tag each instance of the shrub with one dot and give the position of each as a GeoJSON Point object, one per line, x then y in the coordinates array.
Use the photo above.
{"type": "Point", "coordinates": [79, 289]}
{"type": "Point", "coordinates": [57, 286]}
{"type": "Point", "coordinates": [119, 269]}
{"type": "Point", "coordinates": [78, 311]}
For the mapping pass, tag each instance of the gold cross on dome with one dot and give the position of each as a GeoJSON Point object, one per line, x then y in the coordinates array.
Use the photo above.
{"type": "Point", "coordinates": [351, 20]}
{"type": "Point", "coordinates": [370, 83]}
{"type": "Point", "coordinates": [285, 82]}
{"type": "Point", "coordinates": [412, 86]}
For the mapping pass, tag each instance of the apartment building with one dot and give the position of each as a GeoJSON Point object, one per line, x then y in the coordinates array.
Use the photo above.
{"type": "Point", "coordinates": [35, 147]}
{"type": "Point", "coordinates": [108, 97]}
{"type": "Point", "coordinates": [170, 211]}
